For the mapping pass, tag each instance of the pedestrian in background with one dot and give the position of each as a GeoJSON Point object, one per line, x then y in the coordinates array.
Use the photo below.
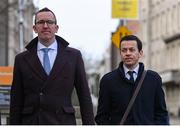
{"type": "Point", "coordinates": [118, 87]}
{"type": "Point", "coordinates": [44, 78]}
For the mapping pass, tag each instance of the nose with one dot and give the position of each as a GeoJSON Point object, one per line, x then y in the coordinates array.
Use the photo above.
{"type": "Point", "coordinates": [45, 24]}
{"type": "Point", "coordinates": [128, 52]}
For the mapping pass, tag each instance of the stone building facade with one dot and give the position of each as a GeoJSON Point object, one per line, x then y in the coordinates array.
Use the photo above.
{"type": "Point", "coordinates": [9, 30]}
{"type": "Point", "coordinates": [14, 23]}
{"type": "Point", "coordinates": [160, 32]}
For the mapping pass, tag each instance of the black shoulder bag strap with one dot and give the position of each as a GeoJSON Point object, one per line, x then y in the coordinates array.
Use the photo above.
{"type": "Point", "coordinates": [133, 98]}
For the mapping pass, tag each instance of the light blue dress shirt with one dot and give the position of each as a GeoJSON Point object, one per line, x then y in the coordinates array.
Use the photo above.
{"type": "Point", "coordinates": [135, 74]}
{"type": "Point", "coordinates": [52, 53]}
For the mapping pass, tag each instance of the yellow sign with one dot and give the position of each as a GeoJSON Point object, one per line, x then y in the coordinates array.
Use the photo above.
{"type": "Point", "coordinates": [121, 32]}
{"type": "Point", "coordinates": [125, 9]}
{"type": "Point", "coordinates": [6, 75]}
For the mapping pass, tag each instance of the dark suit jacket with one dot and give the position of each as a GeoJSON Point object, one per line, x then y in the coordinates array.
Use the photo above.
{"type": "Point", "coordinates": [116, 91]}
{"type": "Point", "coordinates": [40, 99]}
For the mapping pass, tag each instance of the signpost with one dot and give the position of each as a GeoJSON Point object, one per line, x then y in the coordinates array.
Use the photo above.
{"type": "Point", "coordinates": [123, 9]}
{"type": "Point", "coordinates": [121, 32]}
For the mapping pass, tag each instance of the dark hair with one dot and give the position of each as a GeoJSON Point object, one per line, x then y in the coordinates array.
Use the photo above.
{"type": "Point", "coordinates": [44, 10]}
{"type": "Point", "coordinates": [132, 37]}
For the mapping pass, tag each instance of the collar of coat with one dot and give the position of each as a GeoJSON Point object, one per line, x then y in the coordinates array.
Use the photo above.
{"type": "Point", "coordinates": [33, 43]}
{"type": "Point", "coordinates": [122, 73]}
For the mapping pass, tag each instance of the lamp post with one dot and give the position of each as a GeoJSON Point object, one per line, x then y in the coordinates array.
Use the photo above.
{"type": "Point", "coordinates": [21, 25]}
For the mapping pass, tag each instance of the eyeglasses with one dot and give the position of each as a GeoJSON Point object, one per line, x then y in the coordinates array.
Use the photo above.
{"type": "Point", "coordinates": [48, 22]}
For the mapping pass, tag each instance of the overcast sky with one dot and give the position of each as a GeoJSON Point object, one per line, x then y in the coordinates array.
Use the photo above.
{"type": "Point", "coordinates": [85, 24]}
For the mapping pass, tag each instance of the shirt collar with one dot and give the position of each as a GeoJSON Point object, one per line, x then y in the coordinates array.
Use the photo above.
{"type": "Point", "coordinates": [135, 69]}
{"type": "Point", "coordinates": [53, 46]}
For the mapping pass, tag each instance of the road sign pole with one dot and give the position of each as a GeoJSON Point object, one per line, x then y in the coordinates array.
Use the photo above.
{"type": "Point", "coordinates": [121, 22]}
{"type": "Point", "coordinates": [21, 25]}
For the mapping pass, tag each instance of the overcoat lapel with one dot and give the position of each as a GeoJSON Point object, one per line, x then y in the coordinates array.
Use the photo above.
{"type": "Point", "coordinates": [35, 64]}
{"type": "Point", "coordinates": [59, 63]}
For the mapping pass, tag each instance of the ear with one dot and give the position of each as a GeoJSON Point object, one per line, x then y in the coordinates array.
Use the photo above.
{"type": "Point", "coordinates": [34, 28]}
{"type": "Point", "coordinates": [141, 53]}
{"type": "Point", "coordinates": [57, 28]}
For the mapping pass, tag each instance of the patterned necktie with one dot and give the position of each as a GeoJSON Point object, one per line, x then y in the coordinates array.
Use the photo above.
{"type": "Point", "coordinates": [131, 76]}
{"type": "Point", "coordinates": [46, 61]}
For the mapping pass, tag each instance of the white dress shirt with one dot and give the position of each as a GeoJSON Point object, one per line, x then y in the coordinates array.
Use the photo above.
{"type": "Point", "coordinates": [52, 53]}
{"type": "Point", "coordinates": [135, 74]}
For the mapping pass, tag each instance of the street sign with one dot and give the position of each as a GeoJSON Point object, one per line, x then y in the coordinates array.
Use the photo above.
{"type": "Point", "coordinates": [125, 9]}
{"type": "Point", "coordinates": [6, 75]}
{"type": "Point", "coordinates": [121, 32]}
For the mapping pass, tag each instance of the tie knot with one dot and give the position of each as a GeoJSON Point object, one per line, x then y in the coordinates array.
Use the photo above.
{"type": "Point", "coordinates": [130, 73]}
{"type": "Point", "coordinates": [45, 50]}
{"type": "Point", "coordinates": [131, 79]}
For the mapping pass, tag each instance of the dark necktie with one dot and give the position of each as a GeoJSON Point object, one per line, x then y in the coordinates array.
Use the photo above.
{"type": "Point", "coordinates": [46, 61]}
{"type": "Point", "coordinates": [131, 79]}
